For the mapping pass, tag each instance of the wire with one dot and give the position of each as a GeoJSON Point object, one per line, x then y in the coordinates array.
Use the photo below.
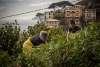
{"type": "Point", "coordinates": [23, 13]}
{"type": "Point", "coordinates": [31, 11]}
{"type": "Point", "coordinates": [75, 1]}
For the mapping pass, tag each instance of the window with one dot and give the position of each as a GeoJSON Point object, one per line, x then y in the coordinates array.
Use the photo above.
{"type": "Point", "coordinates": [45, 13]}
{"type": "Point", "coordinates": [76, 14]}
{"type": "Point", "coordinates": [55, 26]}
{"type": "Point", "coordinates": [55, 22]}
{"type": "Point", "coordinates": [87, 14]}
{"type": "Point", "coordinates": [67, 14]}
{"type": "Point", "coordinates": [76, 18]}
{"type": "Point", "coordinates": [49, 13]}
{"type": "Point", "coordinates": [76, 21]}
{"type": "Point", "coordinates": [77, 11]}
{"type": "Point", "coordinates": [72, 11]}
{"type": "Point", "coordinates": [94, 17]}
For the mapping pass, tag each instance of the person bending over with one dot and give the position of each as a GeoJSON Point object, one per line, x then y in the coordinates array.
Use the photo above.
{"type": "Point", "coordinates": [36, 40]}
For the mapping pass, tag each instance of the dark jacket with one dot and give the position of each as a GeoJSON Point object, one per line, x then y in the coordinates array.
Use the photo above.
{"type": "Point", "coordinates": [35, 40]}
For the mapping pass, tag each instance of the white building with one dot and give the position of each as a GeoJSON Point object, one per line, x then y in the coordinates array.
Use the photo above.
{"type": "Point", "coordinates": [49, 15]}
{"type": "Point", "coordinates": [90, 14]}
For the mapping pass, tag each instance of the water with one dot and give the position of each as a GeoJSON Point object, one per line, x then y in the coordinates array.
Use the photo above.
{"type": "Point", "coordinates": [22, 23]}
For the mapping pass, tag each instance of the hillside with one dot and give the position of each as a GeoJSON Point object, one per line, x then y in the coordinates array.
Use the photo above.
{"type": "Point", "coordinates": [60, 4]}
{"type": "Point", "coordinates": [83, 2]}
{"type": "Point", "coordinates": [89, 3]}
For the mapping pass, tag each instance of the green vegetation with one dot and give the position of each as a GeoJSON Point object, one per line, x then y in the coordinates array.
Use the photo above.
{"type": "Point", "coordinates": [39, 14]}
{"type": "Point", "coordinates": [5, 60]}
{"type": "Point", "coordinates": [82, 51]}
{"type": "Point", "coordinates": [9, 35]}
{"type": "Point", "coordinates": [60, 4]}
{"type": "Point", "coordinates": [59, 15]}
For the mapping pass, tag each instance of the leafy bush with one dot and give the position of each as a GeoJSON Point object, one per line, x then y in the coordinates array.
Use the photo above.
{"type": "Point", "coordinates": [9, 34]}
{"type": "Point", "coordinates": [82, 51]}
{"type": "Point", "coordinates": [5, 60]}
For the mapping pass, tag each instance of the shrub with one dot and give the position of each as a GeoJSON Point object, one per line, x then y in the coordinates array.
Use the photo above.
{"type": "Point", "coordinates": [5, 60]}
{"type": "Point", "coordinates": [9, 34]}
{"type": "Point", "coordinates": [82, 51]}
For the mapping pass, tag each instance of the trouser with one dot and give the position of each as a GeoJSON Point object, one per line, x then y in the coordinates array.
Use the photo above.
{"type": "Point", "coordinates": [27, 44]}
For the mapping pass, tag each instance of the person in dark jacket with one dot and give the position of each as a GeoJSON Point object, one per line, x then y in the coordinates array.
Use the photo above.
{"type": "Point", "coordinates": [36, 40]}
{"type": "Point", "coordinates": [73, 28]}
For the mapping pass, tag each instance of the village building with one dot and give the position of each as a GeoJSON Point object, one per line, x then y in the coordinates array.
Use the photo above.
{"type": "Point", "coordinates": [52, 23]}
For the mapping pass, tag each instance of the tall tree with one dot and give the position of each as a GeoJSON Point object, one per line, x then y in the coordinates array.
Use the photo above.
{"type": "Point", "coordinates": [60, 16]}
{"type": "Point", "coordinates": [39, 14]}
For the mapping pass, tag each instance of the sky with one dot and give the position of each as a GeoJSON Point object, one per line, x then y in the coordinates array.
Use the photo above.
{"type": "Point", "coordinates": [13, 7]}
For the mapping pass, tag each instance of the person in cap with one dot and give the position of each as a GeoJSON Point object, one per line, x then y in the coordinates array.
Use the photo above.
{"type": "Point", "coordinates": [73, 28]}
{"type": "Point", "coordinates": [36, 40]}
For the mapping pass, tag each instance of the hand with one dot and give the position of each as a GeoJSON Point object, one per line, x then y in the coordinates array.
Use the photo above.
{"type": "Point", "coordinates": [45, 42]}
{"type": "Point", "coordinates": [68, 39]}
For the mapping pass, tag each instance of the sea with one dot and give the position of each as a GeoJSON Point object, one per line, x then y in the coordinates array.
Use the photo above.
{"type": "Point", "coordinates": [24, 23]}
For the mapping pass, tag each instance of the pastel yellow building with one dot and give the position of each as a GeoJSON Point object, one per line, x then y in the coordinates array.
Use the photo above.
{"type": "Point", "coordinates": [73, 15]}
{"type": "Point", "coordinates": [52, 23]}
{"type": "Point", "coordinates": [81, 7]}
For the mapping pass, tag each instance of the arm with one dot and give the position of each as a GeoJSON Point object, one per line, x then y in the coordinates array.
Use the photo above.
{"type": "Point", "coordinates": [45, 42]}
{"type": "Point", "coordinates": [68, 33]}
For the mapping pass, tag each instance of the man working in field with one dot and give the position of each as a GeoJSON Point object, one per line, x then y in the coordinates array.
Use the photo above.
{"type": "Point", "coordinates": [36, 40]}
{"type": "Point", "coordinates": [72, 29]}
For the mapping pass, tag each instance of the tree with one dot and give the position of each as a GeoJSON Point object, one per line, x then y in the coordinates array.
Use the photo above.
{"type": "Point", "coordinates": [39, 14]}
{"type": "Point", "coordinates": [91, 3]}
{"type": "Point", "coordinates": [60, 4]}
{"type": "Point", "coordinates": [96, 1]}
{"type": "Point", "coordinates": [60, 16]}
{"type": "Point", "coordinates": [83, 2]}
